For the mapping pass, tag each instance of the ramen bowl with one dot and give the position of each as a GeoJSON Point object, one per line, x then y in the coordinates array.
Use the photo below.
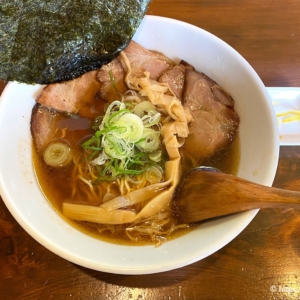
{"type": "Point", "coordinates": [259, 150]}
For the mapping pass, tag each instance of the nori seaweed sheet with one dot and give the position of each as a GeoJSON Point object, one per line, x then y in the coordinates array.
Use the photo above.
{"type": "Point", "coordinates": [57, 40]}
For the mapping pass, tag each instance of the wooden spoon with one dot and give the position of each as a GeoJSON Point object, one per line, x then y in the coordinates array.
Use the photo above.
{"type": "Point", "coordinates": [206, 193]}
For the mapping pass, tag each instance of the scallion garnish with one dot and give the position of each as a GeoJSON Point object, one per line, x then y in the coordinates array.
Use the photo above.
{"type": "Point", "coordinates": [125, 140]}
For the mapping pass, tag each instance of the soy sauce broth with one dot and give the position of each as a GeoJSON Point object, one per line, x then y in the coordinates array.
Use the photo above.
{"type": "Point", "coordinates": [57, 185]}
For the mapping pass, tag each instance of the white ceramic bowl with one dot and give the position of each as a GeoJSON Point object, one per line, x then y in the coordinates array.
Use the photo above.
{"type": "Point", "coordinates": [259, 157]}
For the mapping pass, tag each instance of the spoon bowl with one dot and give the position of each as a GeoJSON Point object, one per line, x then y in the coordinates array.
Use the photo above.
{"type": "Point", "coordinates": [206, 193]}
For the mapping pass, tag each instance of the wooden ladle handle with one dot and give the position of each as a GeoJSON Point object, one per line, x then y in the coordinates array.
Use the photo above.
{"type": "Point", "coordinates": [205, 194]}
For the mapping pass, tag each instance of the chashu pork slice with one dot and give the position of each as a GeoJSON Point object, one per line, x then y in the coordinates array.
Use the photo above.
{"type": "Point", "coordinates": [112, 77]}
{"type": "Point", "coordinates": [175, 78]}
{"type": "Point", "coordinates": [41, 125]}
{"type": "Point", "coordinates": [215, 120]}
{"type": "Point", "coordinates": [143, 60]}
{"type": "Point", "coordinates": [71, 96]}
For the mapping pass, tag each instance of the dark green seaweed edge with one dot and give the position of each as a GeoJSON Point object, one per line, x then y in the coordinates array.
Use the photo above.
{"type": "Point", "coordinates": [53, 41]}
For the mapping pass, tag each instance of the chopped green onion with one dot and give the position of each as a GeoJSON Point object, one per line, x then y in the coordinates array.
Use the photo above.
{"type": "Point", "coordinates": [156, 156]}
{"type": "Point", "coordinates": [151, 119]}
{"type": "Point", "coordinates": [57, 154]}
{"type": "Point", "coordinates": [135, 125]}
{"type": "Point", "coordinates": [154, 174]}
{"type": "Point", "coordinates": [124, 143]}
{"type": "Point", "coordinates": [116, 147]}
{"type": "Point", "coordinates": [112, 80]}
{"type": "Point", "coordinates": [143, 108]}
{"type": "Point", "coordinates": [151, 140]}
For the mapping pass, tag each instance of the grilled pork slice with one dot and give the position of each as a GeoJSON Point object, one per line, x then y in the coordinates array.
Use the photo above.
{"type": "Point", "coordinates": [41, 126]}
{"type": "Point", "coordinates": [175, 78]}
{"type": "Point", "coordinates": [112, 78]}
{"type": "Point", "coordinates": [143, 60]}
{"type": "Point", "coordinates": [215, 120]}
{"type": "Point", "coordinates": [71, 96]}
